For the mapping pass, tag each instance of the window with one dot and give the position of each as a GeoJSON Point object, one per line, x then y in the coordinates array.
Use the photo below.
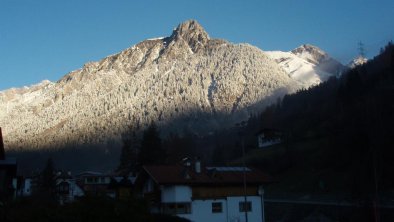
{"type": "Point", "coordinates": [183, 208]}
{"type": "Point", "coordinates": [245, 206]}
{"type": "Point", "coordinates": [217, 207]}
{"type": "Point", "coordinates": [177, 208]}
{"type": "Point", "coordinates": [169, 208]}
{"type": "Point", "coordinates": [63, 188]}
{"type": "Point", "coordinates": [93, 180]}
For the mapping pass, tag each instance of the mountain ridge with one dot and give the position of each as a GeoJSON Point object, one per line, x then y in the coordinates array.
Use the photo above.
{"type": "Point", "coordinates": [209, 82]}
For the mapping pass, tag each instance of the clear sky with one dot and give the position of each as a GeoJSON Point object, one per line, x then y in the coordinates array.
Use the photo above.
{"type": "Point", "coordinates": [46, 39]}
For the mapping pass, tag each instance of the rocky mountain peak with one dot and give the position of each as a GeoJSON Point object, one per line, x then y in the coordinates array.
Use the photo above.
{"type": "Point", "coordinates": [308, 48]}
{"type": "Point", "coordinates": [311, 53]}
{"type": "Point", "coordinates": [192, 33]}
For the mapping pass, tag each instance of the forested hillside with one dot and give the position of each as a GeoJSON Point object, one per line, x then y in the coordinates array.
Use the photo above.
{"type": "Point", "coordinates": [339, 133]}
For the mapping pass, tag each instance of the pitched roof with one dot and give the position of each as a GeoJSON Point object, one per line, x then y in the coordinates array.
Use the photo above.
{"type": "Point", "coordinates": [178, 174]}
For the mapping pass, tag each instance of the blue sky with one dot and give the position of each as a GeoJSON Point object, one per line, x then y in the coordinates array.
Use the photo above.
{"type": "Point", "coordinates": [46, 39]}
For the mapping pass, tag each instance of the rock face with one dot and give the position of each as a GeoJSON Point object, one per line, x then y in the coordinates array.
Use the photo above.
{"type": "Point", "coordinates": [310, 53]}
{"type": "Point", "coordinates": [193, 34]}
{"type": "Point", "coordinates": [183, 81]}
{"type": "Point", "coordinates": [308, 64]}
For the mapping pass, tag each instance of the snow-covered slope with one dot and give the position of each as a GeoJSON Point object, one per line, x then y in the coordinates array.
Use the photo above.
{"type": "Point", "coordinates": [186, 80]}
{"type": "Point", "coordinates": [307, 64]}
{"type": "Point", "coordinates": [357, 62]}
{"type": "Point", "coordinates": [301, 70]}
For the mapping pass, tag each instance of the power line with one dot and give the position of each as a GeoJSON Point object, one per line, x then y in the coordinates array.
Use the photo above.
{"type": "Point", "coordinates": [361, 49]}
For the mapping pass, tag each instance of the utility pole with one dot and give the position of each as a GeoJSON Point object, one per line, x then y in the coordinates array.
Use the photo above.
{"type": "Point", "coordinates": [361, 49]}
{"type": "Point", "coordinates": [241, 132]}
{"type": "Point", "coordinates": [244, 180]}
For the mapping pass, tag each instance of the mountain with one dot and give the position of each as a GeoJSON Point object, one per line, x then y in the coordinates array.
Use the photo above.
{"type": "Point", "coordinates": [307, 64]}
{"type": "Point", "coordinates": [360, 60]}
{"type": "Point", "coordinates": [184, 81]}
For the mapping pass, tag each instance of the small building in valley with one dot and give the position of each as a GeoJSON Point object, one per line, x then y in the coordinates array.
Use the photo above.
{"type": "Point", "coordinates": [268, 137]}
{"type": "Point", "coordinates": [204, 193]}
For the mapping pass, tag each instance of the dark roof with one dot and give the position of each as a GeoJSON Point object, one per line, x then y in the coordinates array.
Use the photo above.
{"type": "Point", "coordinates": [178, 174]}
{"type": "Point", "coordinates": [90, 174]}
{"type": "Point", "coordinates": [8, 161]}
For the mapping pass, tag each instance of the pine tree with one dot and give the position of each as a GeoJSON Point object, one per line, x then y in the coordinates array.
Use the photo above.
{"type": "Point", "coordinates": [129, 154]}
{"type": "Point", "coordinates": [151, 147]}
{"type": "Point", "coordinates": [177, 147]}
{"type": "Point", "coordinates": [47, 181]}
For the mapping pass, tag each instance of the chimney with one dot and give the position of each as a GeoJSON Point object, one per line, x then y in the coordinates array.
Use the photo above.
{"type": "Point", "coordinates": [197, 165]}
{"type": "Point", "coordinates": [2, 151]}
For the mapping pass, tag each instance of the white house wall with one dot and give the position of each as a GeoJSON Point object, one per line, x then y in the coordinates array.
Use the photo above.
{"type": "Point", "coordinates": [27, 187]}
{"type": "Point", "coordinates": [77, 191]}
{"type": "Point", "coordinates": [202, 211]}
{"type": "Point", "coordinates": [171, 194]}
{"type": "Point", "coordinates": [233, 208]}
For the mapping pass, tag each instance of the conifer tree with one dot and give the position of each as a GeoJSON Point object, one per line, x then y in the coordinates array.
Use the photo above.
{"type": "Point", "coordinates": [47, 181]}
{"type": "Point", "coordinates": [129, 154]}
{"type": "Point", "coordinates": [151, 147]}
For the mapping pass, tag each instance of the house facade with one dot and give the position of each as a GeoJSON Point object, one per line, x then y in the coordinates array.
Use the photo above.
{"type": "Point", "coordinates": [94, 183]}
{"type": "Point", "coordinates": [67, 190]}
{"type": "Point", "coordinates": [204, 193]}
{"type": "Point", "coordinates": [26, 187]}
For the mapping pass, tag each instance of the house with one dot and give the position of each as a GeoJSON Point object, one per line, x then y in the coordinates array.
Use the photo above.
{"type": "Point", "coordinates": [94, 183]}
{"type": "Point", "coordinates": [268, 137]}
{"type": "Point", "coordinates": [121, 187]}
{"type": "Point", "coordinates": [8, 178]}
{"type": "Point", "coordinates": [29, 185]}
{"type": "Point", "coordinates": [26, 187]}
{"type": "Point", "coordinates": [204, 193]}
{"type": "Point", "coordinates": [67, 190]}
{"type": "Point", "coordinates": [99, 184]}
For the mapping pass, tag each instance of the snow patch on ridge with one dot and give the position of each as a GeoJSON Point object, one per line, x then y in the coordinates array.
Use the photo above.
{"type": "Point", "coordinates": [299, 69]}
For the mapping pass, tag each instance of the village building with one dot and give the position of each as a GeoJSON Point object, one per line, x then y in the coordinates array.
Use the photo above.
{"type": "Point", "coordinates": [27, 185]}
{"type": "Point", "coordinates": [100, 184]}
{"type": "Point", "coordinates": [94, 183]}
{"type": "Point", "coordinates": [204, 193]}
{"type": "Point", "coordinates": [8, 170]}
{"type": "Point", "coordinates": [67, 190]}
{"type": "Point", "coordinates": [121, 187]}
{"type": "Point", "coordinates": [269, 137]}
